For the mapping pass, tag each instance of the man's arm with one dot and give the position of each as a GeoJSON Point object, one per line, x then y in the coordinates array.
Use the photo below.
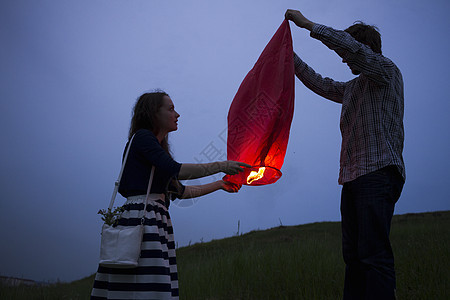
{"type": "Point", "coordinates": [358, 56]}
{"type": "Point", "coordinates": [325, 87]}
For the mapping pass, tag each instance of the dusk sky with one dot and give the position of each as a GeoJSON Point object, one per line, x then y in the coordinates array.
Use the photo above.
{"type": "Point", "coordinates": [71, 72]}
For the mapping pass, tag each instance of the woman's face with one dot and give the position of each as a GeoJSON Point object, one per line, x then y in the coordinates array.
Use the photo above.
{"type": "Point", "coordinates": [167, 116]}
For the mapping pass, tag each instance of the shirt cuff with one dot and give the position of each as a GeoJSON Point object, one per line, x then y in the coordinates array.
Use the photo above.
{"type": "Point", "coordinates": [317, 30]}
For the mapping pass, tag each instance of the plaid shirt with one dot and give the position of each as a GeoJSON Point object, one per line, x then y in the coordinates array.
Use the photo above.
{"type": "Point", "coordinates": [372, 104]}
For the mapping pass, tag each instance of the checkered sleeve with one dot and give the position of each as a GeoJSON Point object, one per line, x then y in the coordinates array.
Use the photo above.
{"type": "Point", "coordinates": [325, 87]}
{"type": "Point", "coordinates": [359, 56]}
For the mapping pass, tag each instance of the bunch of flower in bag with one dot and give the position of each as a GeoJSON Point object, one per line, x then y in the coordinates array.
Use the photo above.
{"type": "Point", "coordinates": [111, 217]}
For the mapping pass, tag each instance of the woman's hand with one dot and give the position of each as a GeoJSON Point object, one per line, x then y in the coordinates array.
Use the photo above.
{"type": "Point", "coordinates": [298, 18]}
{"type": "Point", "coordinates": [231, 167]}
{"type": "Point", "coordinates": [230, 187]}
{"type": "Point", "coordinates": [193, 191]}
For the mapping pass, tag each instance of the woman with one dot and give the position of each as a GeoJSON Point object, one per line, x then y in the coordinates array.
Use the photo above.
{"type": "Point", "coordinates": [154, 116]}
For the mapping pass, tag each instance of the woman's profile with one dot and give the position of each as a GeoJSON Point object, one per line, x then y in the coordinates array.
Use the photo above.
{"type": "Point", "coordinates": [156, 276]}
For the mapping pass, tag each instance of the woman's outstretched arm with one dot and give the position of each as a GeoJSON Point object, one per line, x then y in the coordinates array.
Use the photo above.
{"type": "Point", "coordinates": [193, 191]}
{"type": "Point", "coordinates": [193, 171]}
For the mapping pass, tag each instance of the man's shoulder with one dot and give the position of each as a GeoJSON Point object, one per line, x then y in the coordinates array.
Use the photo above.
{"type": "Point", "coordinates": [389, 63]}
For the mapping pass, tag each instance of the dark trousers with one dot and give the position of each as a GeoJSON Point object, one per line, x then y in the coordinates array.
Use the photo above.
{"type": "Point", "coordinates": [367, 207]}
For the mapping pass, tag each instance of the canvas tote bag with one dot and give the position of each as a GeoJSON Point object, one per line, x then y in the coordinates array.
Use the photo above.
{"type": "Point", "coordinates": [120, 246]}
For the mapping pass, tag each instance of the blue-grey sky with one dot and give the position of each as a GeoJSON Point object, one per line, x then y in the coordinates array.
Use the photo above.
{"type": "Point", "coordinates": [72, 70]}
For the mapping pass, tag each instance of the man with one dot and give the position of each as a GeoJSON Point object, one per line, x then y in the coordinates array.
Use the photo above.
{"type": "Point", "coordinates": [372, 171]}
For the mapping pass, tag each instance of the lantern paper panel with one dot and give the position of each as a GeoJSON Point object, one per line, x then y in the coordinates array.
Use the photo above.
{"type": "Point", "coordinates": [261, 113]}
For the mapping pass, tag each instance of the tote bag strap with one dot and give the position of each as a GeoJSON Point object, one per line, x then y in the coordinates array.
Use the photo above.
{"type": "Point", "coordinates": [148, 193]}
{"type": "Point", "coordinates": [116, 184]}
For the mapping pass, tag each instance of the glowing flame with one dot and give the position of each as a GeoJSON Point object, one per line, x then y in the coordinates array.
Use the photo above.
{"type": "Point", "coordinates": [256, 175]}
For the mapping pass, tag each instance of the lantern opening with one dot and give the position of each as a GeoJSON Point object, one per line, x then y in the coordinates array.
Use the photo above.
{"type": "Point", "coordinates": [255, 175]}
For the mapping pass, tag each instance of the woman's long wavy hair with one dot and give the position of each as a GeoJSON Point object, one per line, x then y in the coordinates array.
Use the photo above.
{"type": "Point", "coordinates": [144, 115]}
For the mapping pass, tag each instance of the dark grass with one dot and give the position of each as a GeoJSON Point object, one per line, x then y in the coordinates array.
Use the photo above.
{"type": "Point", "coordinates": [421, 244]}
{"type": "Point", "coordinates": [80, 289]}
{"type": "Point", "coordinates": [305, 262]}
{"type": "Point", "coordinates": [292, 262]}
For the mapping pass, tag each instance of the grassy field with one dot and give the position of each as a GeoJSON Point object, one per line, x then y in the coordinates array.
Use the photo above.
{"type": "Point", "coordinates": [293, 262]}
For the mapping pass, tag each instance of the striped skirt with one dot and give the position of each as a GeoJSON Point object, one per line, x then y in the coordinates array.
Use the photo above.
{"type": "Point", "coordinates": [156, 275]}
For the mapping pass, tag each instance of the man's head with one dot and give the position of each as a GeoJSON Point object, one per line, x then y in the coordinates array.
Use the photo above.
{"type": "Point", "coordinates": [366, 34]}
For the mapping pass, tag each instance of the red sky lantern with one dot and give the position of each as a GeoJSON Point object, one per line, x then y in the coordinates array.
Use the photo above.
{"type": "Point", "coordinates": [261, 113]}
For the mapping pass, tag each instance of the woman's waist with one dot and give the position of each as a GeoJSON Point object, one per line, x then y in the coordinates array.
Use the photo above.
{"type": "Point", "coordinates": [137, 199]}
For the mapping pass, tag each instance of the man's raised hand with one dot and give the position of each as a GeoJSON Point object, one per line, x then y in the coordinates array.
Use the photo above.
{"type": "Point", "coordinates": [298, 18]}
